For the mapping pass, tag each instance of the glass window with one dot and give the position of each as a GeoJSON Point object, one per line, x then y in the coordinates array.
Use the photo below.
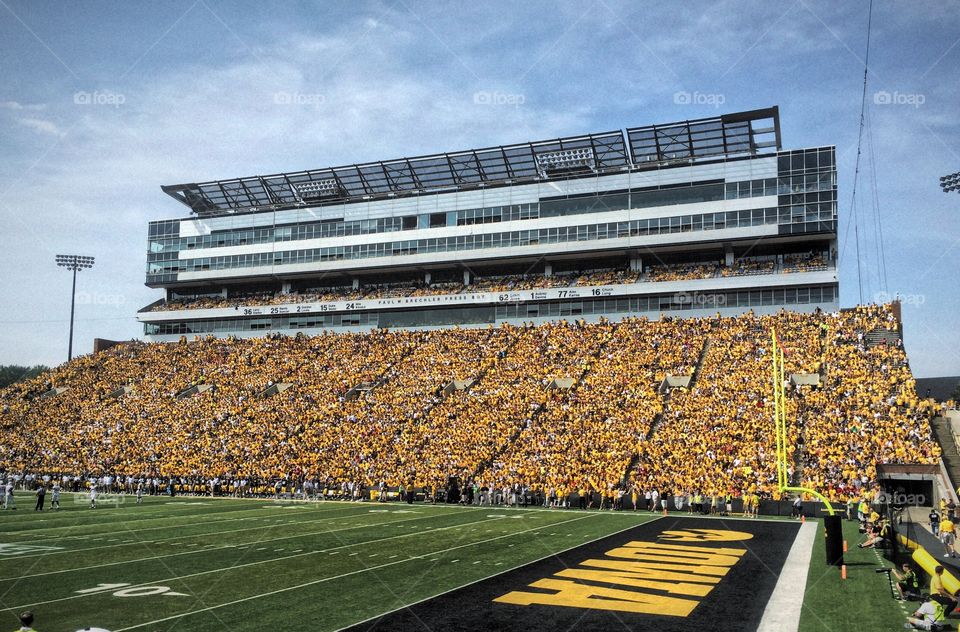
{"type": "Point", "coordinates": [826, 158]}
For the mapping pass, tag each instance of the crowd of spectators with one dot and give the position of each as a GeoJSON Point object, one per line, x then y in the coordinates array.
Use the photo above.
{"type": "Point", "coordinates": [556, 408]}
{"type": "Point", "coordinates": [584, 440]}
{"type": "Point", "coordinates": [472, 425]}
{"type": "Point", "coordinates": [808, 262]}
{"type": "Point", "coordinates": [747, 266]}
{"type": "Point", "coordinates": [716, 437]}
{"type": "Point", "coordinates": [681, 271]}
{"type": "Point", "coordinates": [346, 293]}
{"type": "Point", "coordinates": [868, 411]}
{"type": "Point", "coordinates": [503, 283]}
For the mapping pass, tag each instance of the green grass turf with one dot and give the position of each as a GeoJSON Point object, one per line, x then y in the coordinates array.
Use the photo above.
{"type": "Point", "coordinates": [250, 565]}
{"type": "Point", "coordinates": [861, 602]}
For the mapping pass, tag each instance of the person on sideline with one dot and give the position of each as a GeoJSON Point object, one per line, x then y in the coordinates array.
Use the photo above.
{"type": "Point", "coordinates": [26, 621]}
{"type": "Point", "coordinates": [41, 497]}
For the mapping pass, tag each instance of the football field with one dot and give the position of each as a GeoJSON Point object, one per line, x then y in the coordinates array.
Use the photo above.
{"type": "Point", "coordinates": [195, 564]}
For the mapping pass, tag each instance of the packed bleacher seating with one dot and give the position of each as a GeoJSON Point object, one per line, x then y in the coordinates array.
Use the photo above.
{"type": "Point", "coordinates": [747, 266]}
{"type": "Point", "coordinates": [804, 263]}
{"type": "Point", "coordinates": [471, 425]}
{"type": "Point", "coordinates": [261, 298]}
{"type": "Point", "coordinates": [726, 417]}
{"type": "Point", "coordinates": [681, 271]}
{"type": "Point", "coordinates": [868, 411]}
{"type": "Point", "coordinates": [586, 440]}
{"type": "Point", "coordinates": [503, 283]}
{"type": "Point", "coordinates": [383, 407]}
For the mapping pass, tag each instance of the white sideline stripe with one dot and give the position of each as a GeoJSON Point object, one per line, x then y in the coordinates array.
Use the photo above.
{"type": "Point", "coordinates": [198, 535]}
{"type": "Point", "coordinates": [229, 568]}
{"type": "Point", "coordinates": [327, 579]}
{"type": "Point", "coordinates": [502, 572]}
{"type": "Point", "coordinates": [782, 613]}
{"type": "Point", "coordinates": [226, 546]}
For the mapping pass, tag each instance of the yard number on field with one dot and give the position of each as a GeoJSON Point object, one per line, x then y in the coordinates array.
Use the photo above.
{"type": "Point", "coordinates": [137, 591]}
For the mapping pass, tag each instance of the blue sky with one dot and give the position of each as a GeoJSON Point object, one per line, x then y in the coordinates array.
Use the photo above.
{"type": "Point", "coordinates": [103, 102]}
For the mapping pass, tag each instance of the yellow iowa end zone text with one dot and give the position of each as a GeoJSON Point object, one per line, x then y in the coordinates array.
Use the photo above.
{"type": "Point", "coordinates": [648, 575]}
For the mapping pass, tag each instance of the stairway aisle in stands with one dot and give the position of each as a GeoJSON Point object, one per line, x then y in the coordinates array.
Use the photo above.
{"type": "Point", "coordinates": [543, 406]}
{"type": "Point", "coordinates": [948, 446]}
{"type": "Point", "coordinates": [796, 478]}
{"type": "Point", "coordinates": [666, 408]}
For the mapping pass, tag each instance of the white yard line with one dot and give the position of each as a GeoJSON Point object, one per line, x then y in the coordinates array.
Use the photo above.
{"type": "Point", "coordinates": [363, 570]}
{"type": "Point", "coordinates": [207, 550]}
{"type": "Point", "coordinates": [152, 511]}
{"type": "Point", "coordinates": [391, 507]}
{"type": "Point", "coordinates": [269, 561]}
{"type": "Point", "coordinates": [782, 613]}
{"type": "Point", "coordinates": [250, 513]}
{"type": "Point", "coordinates": [197, 535]}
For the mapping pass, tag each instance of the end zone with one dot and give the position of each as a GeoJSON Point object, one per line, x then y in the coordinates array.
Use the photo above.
{"type": "Point", "coordinates": [670, 574]}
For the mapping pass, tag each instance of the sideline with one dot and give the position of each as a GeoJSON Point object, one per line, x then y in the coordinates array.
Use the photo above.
{"type": "Point", "coordinates": [782, 613]}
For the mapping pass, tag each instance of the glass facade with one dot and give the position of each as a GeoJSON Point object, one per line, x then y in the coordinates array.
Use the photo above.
{"type": "Point", "coordinates": [813, 217]}
{"type": "Point", "coordinates": [336, 227]}
{"type": "Point", "coordinates": [805, 190]}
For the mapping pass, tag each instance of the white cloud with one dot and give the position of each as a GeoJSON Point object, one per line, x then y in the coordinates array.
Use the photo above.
{"type": "Point", "coordinates": [43, 126]}
{"type": "Point", "coordinates": [393, 85]}
{"type": "Point", "coordinates": [95, 191]}
{"type": "Point", "coordinates": [17, 106]}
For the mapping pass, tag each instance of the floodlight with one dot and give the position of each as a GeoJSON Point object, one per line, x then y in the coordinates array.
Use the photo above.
{"type": "Point", "coordinates": [314, 189]}
{"type": "Point", "coordinates": [74, 263]}
{"type": "Point", "coordinates": [566, 160]}
{"type": "Point", "coordinates": [950, 182]}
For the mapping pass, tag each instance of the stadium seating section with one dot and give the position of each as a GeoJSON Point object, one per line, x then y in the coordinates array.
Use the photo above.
{"type": "Point", "coordinates": [559, 407]}
{"type": "Point", "coordinates": [805, 262]}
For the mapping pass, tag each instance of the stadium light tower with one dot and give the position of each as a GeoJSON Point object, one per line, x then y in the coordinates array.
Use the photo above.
{"type": "Point", "coordinates": [950, 183]}
{"type": "Point", "coordinates": [74, 263]}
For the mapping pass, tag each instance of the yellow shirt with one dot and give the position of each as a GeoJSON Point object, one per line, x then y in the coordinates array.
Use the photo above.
{"type": "Point", "coordinates": [936, 585]}
{"type": "Point", "coordinates": [946, 526]}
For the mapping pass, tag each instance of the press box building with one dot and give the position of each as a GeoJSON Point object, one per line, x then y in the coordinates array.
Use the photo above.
{"type": "Point", "coordinates": [613, 224]}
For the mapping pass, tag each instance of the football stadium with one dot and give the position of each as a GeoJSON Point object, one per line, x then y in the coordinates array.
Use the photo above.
{"type": "Point", "coordinates": [579, 359]}
{"type": "Point", "coordinates": [597, 382]}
